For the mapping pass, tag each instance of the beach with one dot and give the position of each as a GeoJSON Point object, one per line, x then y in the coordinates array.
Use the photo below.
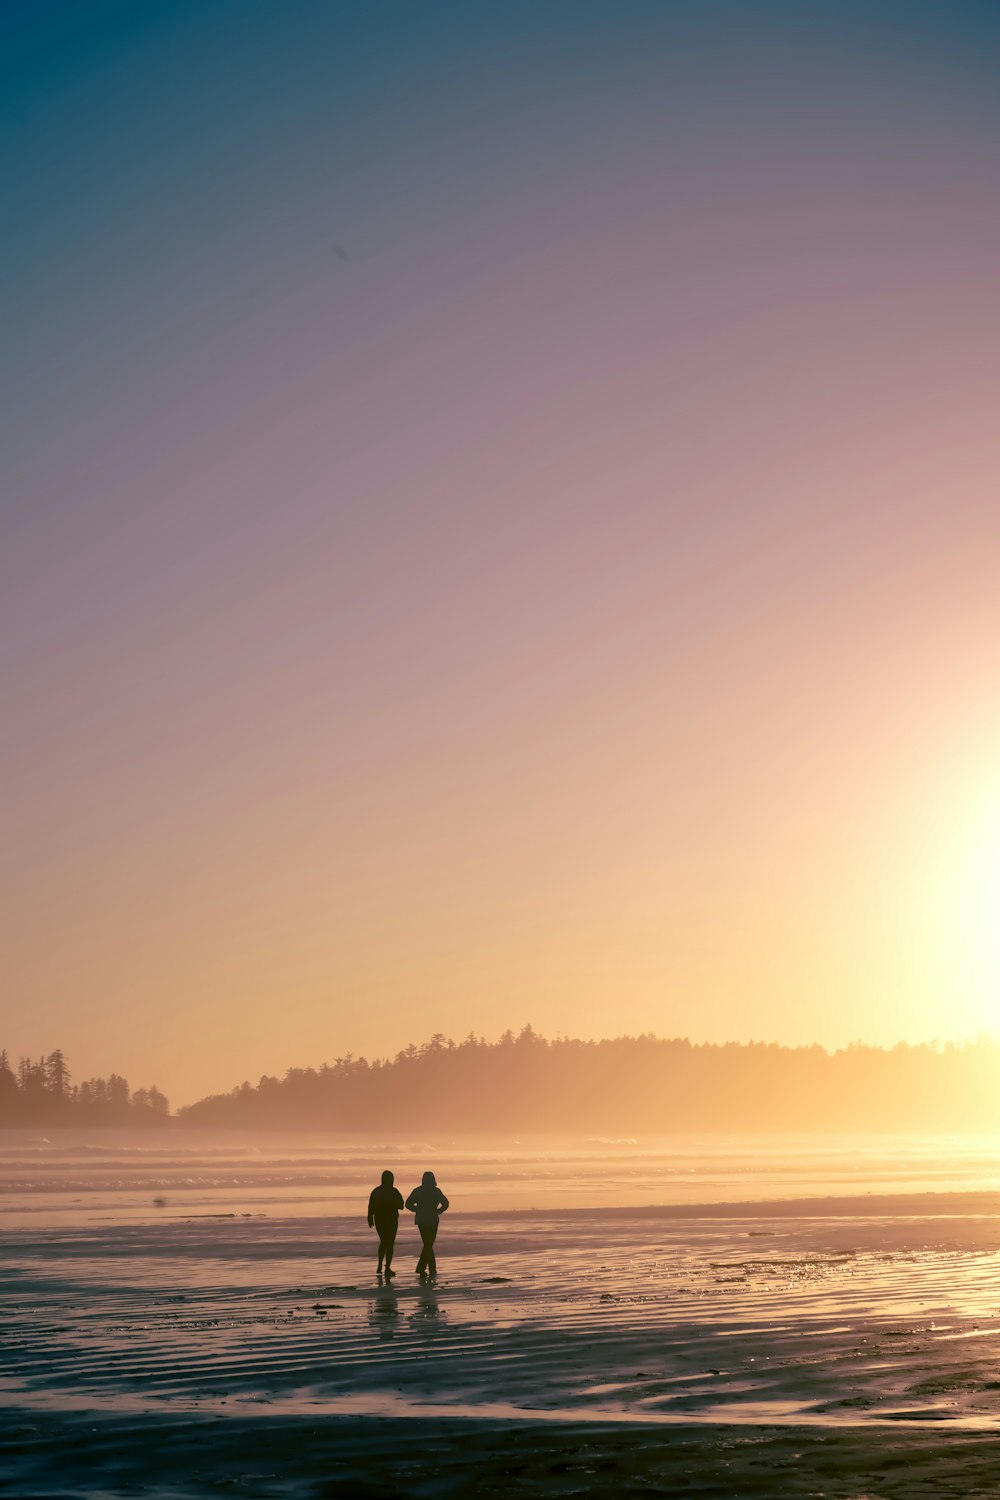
{"type": "Point", "coordinates": [841, 1344]}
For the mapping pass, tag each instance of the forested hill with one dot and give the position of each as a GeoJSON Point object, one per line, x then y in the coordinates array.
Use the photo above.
{"type": "Point", "coordinates": [43, 1092]}
{"type": "Point", "coordinates": [627, 1084]}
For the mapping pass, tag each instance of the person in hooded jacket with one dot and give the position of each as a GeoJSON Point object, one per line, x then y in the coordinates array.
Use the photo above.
{"type": "Point", "coordinates": [383, 1216]}
{"type": "Point", "coordinates": [428, 1203]}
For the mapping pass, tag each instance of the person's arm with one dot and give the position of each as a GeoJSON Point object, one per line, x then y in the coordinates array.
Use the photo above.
{"type": "Point", "coordinates": [371, 1209]}
{"type": "Point", "coordinates": [443, 1204]}
{"type": "Point", "coordinates": [411, 1202]}
{"type": "Point", "coordinates": [399, 1198]}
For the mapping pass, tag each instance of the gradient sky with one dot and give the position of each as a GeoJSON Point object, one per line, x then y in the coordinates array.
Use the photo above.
{"type": "Point", "coordinates": [500, 523]}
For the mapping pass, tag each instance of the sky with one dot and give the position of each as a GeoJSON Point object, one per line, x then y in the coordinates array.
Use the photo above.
{"type": "Point", "coordinates": [499, 525]}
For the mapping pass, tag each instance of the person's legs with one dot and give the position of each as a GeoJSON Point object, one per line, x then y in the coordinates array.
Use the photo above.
{"type": "Point", "coordinates": [429, 1235]}
{"type": "Point", "coordinates": [386, 1240]}
{"type": "Point", "coordinates": [426, 1253]}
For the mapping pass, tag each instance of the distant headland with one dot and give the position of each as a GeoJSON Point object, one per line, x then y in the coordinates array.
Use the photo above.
{"type": "Point", "coordinates": [525, 1082]}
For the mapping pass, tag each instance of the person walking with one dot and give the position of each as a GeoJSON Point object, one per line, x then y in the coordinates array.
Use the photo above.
{"type": "Point", "coordinates": [383, 1215]}
{"type": "Point", "coordinates": [428, 1203]}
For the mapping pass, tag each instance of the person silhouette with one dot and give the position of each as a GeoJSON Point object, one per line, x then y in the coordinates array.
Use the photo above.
{"type": "Point", "coordinates": [383, 1215]}
{"type": "Point", "coordinates": [428, 1203]}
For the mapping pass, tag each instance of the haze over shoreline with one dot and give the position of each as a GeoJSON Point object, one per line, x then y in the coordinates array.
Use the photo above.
{"type": "Point", "coordinates": [527, 1082]}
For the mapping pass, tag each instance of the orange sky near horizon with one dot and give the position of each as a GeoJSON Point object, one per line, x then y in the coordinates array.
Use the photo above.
{"type": "Point", "coordinates": [573, 601]}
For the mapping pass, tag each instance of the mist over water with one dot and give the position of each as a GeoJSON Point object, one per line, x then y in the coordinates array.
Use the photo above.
{"type": "Point", "coordinates": [74, 1177]}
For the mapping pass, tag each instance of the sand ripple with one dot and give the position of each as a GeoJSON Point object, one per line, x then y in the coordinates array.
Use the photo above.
{"type": "Point", "coordinates": [585, 1317]}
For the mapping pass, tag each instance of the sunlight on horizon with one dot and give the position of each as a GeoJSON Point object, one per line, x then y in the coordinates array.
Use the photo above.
{"type": "Point", "coordinates": [521, 541]}
{"type": "Point", "coordinates": [973, 896]}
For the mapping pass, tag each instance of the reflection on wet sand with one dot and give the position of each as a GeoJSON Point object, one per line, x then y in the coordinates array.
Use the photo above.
{"type": "Point", "coordinates": [383, 1311]}
{"type": "Point", "coordinates": [428, 1308]}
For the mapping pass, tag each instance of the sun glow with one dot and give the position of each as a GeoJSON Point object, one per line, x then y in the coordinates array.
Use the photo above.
{"type": "Point", "coordinates": [970, 902]}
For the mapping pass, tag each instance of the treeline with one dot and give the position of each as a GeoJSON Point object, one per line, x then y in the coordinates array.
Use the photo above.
{"type": "Point", "coordinates": [625, 1085]}
{"type": "Point", "coordinates": [43, 1092]}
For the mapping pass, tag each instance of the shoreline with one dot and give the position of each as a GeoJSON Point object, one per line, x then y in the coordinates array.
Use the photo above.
{"type": "Point", "coordinates": [918, 1204]}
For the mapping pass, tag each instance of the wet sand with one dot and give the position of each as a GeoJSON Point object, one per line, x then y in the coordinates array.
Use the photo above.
{"type": "Point", "coordinates": [841, 1347]}
{"type": "Point", "coordinates": [385, 1459]}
